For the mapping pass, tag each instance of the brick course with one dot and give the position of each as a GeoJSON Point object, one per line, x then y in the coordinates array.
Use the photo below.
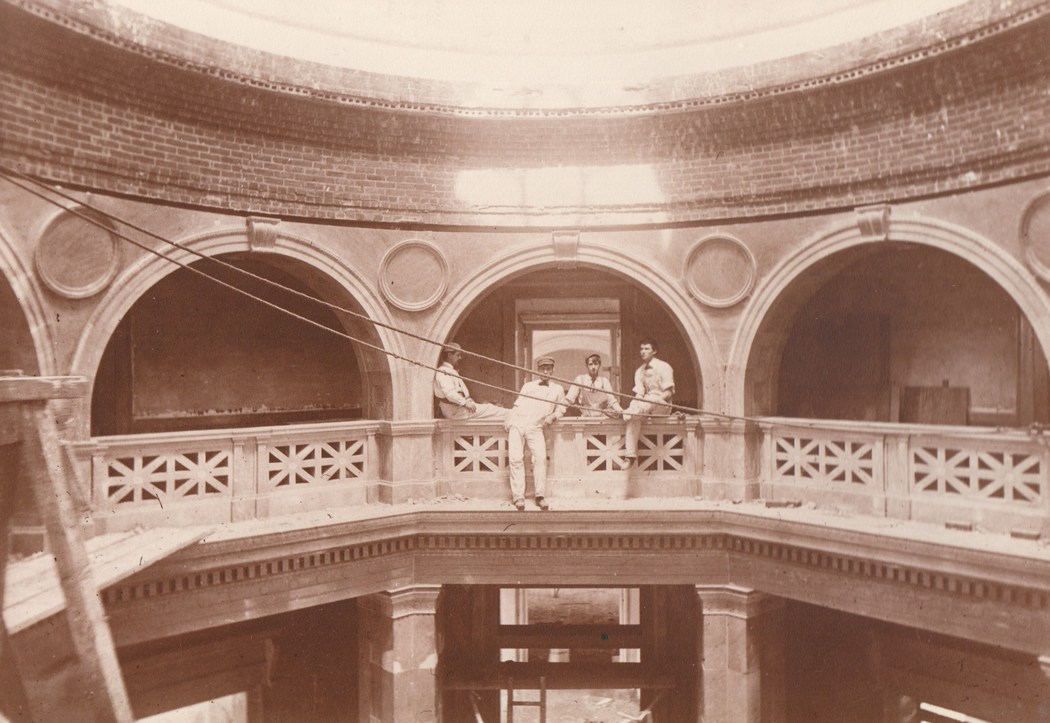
{"type": "Point", "coordinates": [83, 112]}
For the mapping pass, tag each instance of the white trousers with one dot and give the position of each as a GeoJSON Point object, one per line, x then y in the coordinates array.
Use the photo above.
{"type": "Point", "coordinates": [484, 411]}
{"type": "Point", "coordinates": [517, 438]}
{"type": "Point", "coordinates": [633, 423]}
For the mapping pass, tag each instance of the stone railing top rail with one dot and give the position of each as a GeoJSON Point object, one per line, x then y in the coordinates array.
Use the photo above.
{"type": "Point", "coordinates": [280, 432]}
{"type": "Point", "coordinates": [899, 429]}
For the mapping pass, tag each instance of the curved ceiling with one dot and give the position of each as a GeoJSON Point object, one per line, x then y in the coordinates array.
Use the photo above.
{"type": "Point", "coordinates": [538, 53]}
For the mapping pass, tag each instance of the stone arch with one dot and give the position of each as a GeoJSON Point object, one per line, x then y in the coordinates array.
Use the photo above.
{"type": "Point", "coordinates": [139, 277]}
{"type": "Point", "coordinates": [705, 353]}
{"type": "Point", "coordinates": [28, 295]}
{"type": "Point", "coordinates": [1006, 271]}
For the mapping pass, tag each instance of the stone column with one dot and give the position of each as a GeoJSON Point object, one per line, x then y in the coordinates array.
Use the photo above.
{"type": "Point", "coordinates": [398, 655]}
{"type": "Point", "coordinates": [742, 676]}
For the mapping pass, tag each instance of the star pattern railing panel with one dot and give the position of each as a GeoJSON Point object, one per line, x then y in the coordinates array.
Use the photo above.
{"type": "Point", "coordinates": [163, 477]}
{"type": "Point", "coordinates": [808, 459]}
{"type": "Point", "coordinates": [479, 453]}
{"type": "Point", "coordinates": [604, 451]}
{"type": "Point", "coordinates": [981, 471]}
{"type": "Point", "coordinates": [312, 463]}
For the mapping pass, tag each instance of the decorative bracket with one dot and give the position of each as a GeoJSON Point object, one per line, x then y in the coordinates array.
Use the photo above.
{"type": "Point", "coordinates": [874, 222]}
{"type": "Point", "coordinates": [566, 245]}
{"type": "Point", "coordinates": [262, 232]}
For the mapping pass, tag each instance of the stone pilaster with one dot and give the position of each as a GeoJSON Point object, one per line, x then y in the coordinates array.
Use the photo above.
{"type": "Point", "coordinates": [406, 462]}
{"type": "Point", "coordinates": [398, 655]}
{"type": "Point", "coordinates": [741, 668]}
{"type": "Point", "coordinates": [732, 460]}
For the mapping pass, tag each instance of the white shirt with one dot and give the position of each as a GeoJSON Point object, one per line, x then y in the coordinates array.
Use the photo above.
{"type": "Point", "coordinates": [535, 402]}
{"type": "Point", "coordinates": [653, 378]}
{"type": "Point", "coordinates": [449, 386]}
{"type": "Point", "coordinates": [593, 394]}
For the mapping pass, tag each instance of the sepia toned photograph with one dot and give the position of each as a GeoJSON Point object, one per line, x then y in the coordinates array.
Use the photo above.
{"type": "Point", "coordinates": [522, 361]}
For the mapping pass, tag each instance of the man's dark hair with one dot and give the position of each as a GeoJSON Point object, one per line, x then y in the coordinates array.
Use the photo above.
{"type": "Point", "coordinates": [651, 342]}
{"type": "Point", "coordinates": [593, 356]}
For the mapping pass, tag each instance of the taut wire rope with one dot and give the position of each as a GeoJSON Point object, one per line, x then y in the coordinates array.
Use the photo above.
{"type": "Point", "coordinates": [277, 307]}
{"type": "Point", "coordinates": [12, 175]}
{"type": "Point", "coordinates": [9, 172]}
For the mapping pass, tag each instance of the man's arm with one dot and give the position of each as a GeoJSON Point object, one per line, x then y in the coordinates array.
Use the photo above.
{"type": "Point", "coordinates": [666, 383]}
{"type": "Point", "coordinates": [559, 407]}
{"type": "Point", "coordinates": [573, 393]}
{"type": "Point", "coordinates": [452, 392]}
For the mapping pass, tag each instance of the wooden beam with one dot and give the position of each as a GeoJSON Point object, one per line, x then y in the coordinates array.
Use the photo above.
{"type": "Point", "coordinates": [46, 470]}
{"type": "Point", "coordinates": [564, 676]}
{"type": "Point", "coordinates": [28, 389]}
{"type": "Point", "coordinates": [35, 590]}
{"type": "Point", "coordinates": [554, 635]}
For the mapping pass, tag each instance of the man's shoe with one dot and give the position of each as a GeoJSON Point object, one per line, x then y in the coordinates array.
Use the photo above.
{"type": "Point", "coordinates": [541, 502]}
{"type": "Point", "coordinates": [519, 505]}
{"type": "Point", "coordinates": [627, 463]}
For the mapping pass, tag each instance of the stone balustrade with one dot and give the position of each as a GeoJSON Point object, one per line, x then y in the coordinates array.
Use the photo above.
{"type": "Point", "coordinates": [226, 475]}
{"type": "Point", "coordinates": [585, 459]}
{"type": "Point", "coordinates": [988, 479]}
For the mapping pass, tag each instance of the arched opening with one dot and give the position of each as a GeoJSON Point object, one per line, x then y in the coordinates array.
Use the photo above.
{"type": "Point", "coordinates": [17, 357]}
{"type": "Point", "coordinates": [569, 314]}
{"type": "Point", "coordinates": [898, 332]}
{"type": "Point", "coordinates": [17, 352]}
{"type": "Point", "coordinates": [192, 354]}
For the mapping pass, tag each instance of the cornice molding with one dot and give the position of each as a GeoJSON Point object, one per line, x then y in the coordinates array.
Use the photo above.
{"type": "Point", "coordinates": [872, 567]}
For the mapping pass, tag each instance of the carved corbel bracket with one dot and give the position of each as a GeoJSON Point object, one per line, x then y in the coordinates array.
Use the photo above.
{"type": "Point", "coordinates": [874, 222]}
{"type": "Point", "coordinates": [566, 245]}
{"type": "Point", "coordinates": [262, 232]}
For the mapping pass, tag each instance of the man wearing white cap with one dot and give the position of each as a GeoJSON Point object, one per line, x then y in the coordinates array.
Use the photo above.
{"type": "Point", "coordinates": [540, 402]}
{"type": "Point", "coordinates": [452, 394]}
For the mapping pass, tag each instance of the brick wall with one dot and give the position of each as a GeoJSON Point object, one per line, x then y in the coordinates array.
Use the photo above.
{"type": "Point", "coordinates": [85, 112]}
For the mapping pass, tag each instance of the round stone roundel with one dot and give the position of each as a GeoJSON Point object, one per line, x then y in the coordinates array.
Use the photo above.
{"type": "Point", "coordinates": [720, 271]}
{"type": "Point", "coordinates": [75, 257]}
{"type": "Point", "coordinates": [413, 275]}
{"type": "Point", "coordinates": [1035, 235]}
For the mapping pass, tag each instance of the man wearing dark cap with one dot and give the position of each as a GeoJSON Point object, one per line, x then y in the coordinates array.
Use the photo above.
{"type": "Point", "coordinates": [452, 394]}
{"type": "Point", "coordinates": [540, 402]}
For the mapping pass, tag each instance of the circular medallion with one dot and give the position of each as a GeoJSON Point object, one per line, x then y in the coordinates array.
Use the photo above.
{"type": "Point", "coordinates": [1035, 235]}
{"type": "Point", "coordinates": [719, 271]}
{"type": "Point", "coordinates": [75, 257]}
{"type": "Point", "coordinates": [413, 275]}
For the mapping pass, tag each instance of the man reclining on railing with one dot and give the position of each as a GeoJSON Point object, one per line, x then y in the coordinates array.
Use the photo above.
{"type": "Point", "coordinates": [452, 394]}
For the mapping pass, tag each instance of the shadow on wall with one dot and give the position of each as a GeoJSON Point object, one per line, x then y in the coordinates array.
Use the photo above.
{"type": "Point", "coordinates": [912, 334]}
{"type": "Point", "coordinates": [191, 354]}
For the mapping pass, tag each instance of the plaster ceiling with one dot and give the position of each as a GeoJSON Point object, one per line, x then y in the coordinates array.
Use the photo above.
{"type": "Point", "coordinates": [537, 44]}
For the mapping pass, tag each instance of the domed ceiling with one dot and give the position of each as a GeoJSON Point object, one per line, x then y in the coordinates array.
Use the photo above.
{"type": "Point", "coordinates": [541, 53]}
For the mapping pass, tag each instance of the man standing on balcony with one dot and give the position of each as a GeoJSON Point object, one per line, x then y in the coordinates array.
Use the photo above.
{"type": "Point", "coordinates": [540, 402]}
{"type": "Point", "coordinates": [452, 394]}
{"type": "Point", "coordinates": [653, 390]}
{"type": "Point", "coordinates": [593, 394]}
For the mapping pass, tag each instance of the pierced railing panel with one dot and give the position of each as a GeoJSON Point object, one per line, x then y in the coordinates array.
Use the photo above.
{"type": "Point", "coordinates": [603, 452]}
{"type": "Point", "coordinates": [479, 452]}
{"type": "Point", "coordinates": [828, 462]}
{"type": "Point", "coordinates": [960, 470]}
{"type": "Point", "coordinates": [164, 477]}
{"type": "Point", "coordinates": [313, 463]}
{"type": "Point", "coordinates": [662, 452]}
